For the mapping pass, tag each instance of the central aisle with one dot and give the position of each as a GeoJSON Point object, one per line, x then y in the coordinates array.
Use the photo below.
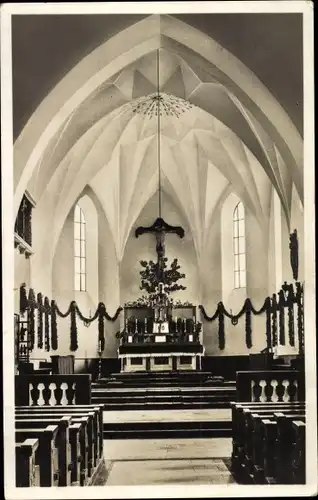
{"type": "Point", "coordinates": [166, 461]}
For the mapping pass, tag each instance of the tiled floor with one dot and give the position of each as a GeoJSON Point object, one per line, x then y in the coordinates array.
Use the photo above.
{"type": "Point", "coordinates": [166, 461]}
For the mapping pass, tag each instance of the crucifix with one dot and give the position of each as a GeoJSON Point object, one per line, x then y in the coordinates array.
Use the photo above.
{"type": "Point", "coordinates": [159, 228]}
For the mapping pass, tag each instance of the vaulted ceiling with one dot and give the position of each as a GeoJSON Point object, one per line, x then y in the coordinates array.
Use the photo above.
{"type": "Point", "coordinates": [234, 137]}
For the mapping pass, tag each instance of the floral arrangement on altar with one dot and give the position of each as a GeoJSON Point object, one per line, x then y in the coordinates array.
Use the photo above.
{"type": "Point", "coordinates": [169, 275]}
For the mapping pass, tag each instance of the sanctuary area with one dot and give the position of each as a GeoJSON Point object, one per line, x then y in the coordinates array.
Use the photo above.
{"type": "Point", "coordinates": [158, 250]}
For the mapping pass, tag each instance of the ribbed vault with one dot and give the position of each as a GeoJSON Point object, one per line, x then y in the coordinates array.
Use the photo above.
{"type": "Point", "coordinates": [235, 137]}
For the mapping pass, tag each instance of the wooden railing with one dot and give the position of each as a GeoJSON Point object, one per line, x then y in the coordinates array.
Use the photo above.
{"type": "Point", "coordinates": [52, 390]}
{"type": "Point", "coordinates": [270, 386]}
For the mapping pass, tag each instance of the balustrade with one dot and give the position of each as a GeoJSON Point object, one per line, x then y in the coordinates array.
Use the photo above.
{"type": "Point", "coordinates": [43, 390]}
{"type": "Point", "coordinates": [274, 386]}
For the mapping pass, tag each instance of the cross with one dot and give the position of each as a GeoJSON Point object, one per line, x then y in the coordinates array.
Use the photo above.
{"type": "Point", "coordinates": [160, 228]}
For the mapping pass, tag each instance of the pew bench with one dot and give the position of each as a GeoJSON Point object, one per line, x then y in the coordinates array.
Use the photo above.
{"type": "Point", "coordinates": [27, 472]}
{"type": "Point", "coordinates": [46, 454]}
{"type": "Point", "coordinates": [63, 446]}
{"type": "Point", "coordinates": [264, 442]}
{"type": "Point", "coordinates": [69, 410]}
{"type": "Point", "coordinates": [84, 437]}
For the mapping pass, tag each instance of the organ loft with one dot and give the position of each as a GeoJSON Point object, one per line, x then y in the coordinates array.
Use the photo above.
{"type": "Point", "coordinates": [159, 278]}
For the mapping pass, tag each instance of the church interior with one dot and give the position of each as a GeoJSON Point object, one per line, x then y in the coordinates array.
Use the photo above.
{"type": "Point", "coordinates": [158, 260]}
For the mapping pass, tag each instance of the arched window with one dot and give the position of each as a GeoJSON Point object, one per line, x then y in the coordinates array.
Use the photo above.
{"type": "Point", "coordinates": [79, 250]}
{"type": "Point", "coordinates": [239, 246]}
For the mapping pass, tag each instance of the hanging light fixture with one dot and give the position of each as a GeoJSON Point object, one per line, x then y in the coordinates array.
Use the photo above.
{"type": "Point", "coordinates": [156, 105]}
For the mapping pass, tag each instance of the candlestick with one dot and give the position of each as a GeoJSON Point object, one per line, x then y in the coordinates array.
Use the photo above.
{"type": "Point", "coordinates": [146, 325]}
{"type": "Point", "coordinates": [136, 326]}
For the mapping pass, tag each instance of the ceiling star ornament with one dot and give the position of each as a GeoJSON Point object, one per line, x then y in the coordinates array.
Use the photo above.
{"type": "Point", "coordinates": [160, 104]}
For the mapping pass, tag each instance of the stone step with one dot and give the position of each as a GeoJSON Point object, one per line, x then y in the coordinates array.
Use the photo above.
{"type": "Point", "coordinates": [168, 433]}
{"type": "Point", "coordinates": [159, 398]}
{"type": "Point", "coordinates": [160, 426]}
{"type": "Point", "coordinates": [178, 392]}
{"type": "Point", "coordinates": [159, 405]}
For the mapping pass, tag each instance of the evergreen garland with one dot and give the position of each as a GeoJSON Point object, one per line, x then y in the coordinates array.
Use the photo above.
{"type": "Point", "coordinates": [221, 326]}
{"type": "Point", "coordinates": [46, 324]}
{"type": "Point", "coordinates": [23, 299]}
{"type": "Point", "coordinates": [54, 338]}
{"type": "Point", "coordinates": [300, 324]}
{"type": "Point", "coordinates": [268, 324]}
{"type": "Point", "coordinates": [248, 325]}
{"type": "Point", "coordinates": [274, 320]}
{"type": "Point", "coordinates": [31, 327]}
{"type": "Point", "coordinates": [291, 324]}
{"type": "Point", "coordinates": [101, 333]}
{"type": "Point", "coordinates": [281, 312]}
{"type": "Point", "coordinates": [40, 320]}
{"type": "Point", "coordinates": [73, 330]}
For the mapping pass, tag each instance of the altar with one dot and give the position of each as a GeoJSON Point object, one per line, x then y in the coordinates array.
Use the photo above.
{"type": "Point", "coordinates": [157, 339]}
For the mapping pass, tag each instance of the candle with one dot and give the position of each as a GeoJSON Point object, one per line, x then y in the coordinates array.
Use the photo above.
{"type": "Point", "coordinates": [145, 325]}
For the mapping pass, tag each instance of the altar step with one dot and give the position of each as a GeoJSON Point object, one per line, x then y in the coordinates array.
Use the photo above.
{"type": "Point", "coordinates": [166, 430]}
{"type": "Point", "coordinates": [163, 398]}
{"type": "Point", "coordinates": [185, 378]}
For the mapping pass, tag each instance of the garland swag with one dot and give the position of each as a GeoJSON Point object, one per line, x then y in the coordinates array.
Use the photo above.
{"type": "Point", "coordinates": [46, 323]}
{"type": "Point", "coordinates": [281, 317]}
{"type": "Point", "coordinates": [74, 336]}
{"type": "Point", "coordinates": [54, 338]}
{"type": "Point", "coordinates": [40, 320]}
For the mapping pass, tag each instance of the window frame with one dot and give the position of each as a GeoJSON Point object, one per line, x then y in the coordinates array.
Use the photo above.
{"type": "Point", "coordinates": [80, 263]}
{"type": "Point", "coordinates": [239, 246]}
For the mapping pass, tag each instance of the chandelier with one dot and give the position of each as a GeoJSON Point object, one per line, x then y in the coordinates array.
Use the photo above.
{"type": "Point", "coordinates": [159, 104]}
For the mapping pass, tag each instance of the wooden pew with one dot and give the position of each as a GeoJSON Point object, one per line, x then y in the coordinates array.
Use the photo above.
{"type": "Point", "coordinates": [93, 435]}
{"type": "Point", "coordinates": [46, 455]}
{"type": "Point", "coordinates": [63, 445]}
{"type": "Point", "coordinates": [259, 442]}
{"type": "Point", "coordinates": [254, 448]}
{"type": "Point", "coordinates": [298, 457]}
{"type": "Point", "coordinates": [27, 472]}
{"type": "Point", "coordinates": [94, 446]}
{"type": "Point", "coordinates": [70, 410]}
{"type": "Point", "coordinates": [284, 444]}
{"type": "Point", "coordinates": [86, 452]}
{"type": "Point", "coordinates": [76, 454]}
{"type": "Point", "coordinates": [239, 424]}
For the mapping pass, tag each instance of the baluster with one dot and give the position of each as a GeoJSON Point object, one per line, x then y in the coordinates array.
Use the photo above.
{"type": "Point", "coordinates": [296, 393]}
{"type": "Point", "coordinates": [252, 390]}
{"type": "Point", "coordinates": [41, 401]}
{"type": "Point", "coordinates": [30, 395]}
{"type": "Point", "coordinates": [58, 393]}
{"type": "Point", "coordinates": [274, 384]}
{"type": "Point", "coordinates": [280, 390]}
{"type": "Point", "coordinates": [70, 392]}
{"type": "Point", "coordinates": [74, 389]}
{"type": "Point", "coordinates": [257, 390]}
{"type": "Point", "coordinates": [46, 393]}
{"type": "Point", "coordinates": [268, 390]}
{"type": "Point", "coordinates": [262, 397]}
{"type": "Point", "coordinates": [52, 401]}
{"type": "Point", "coordinates": [34, 393]}
{"type": "Point", "coordinates": [64, 397]}
{"type": "Point", "coordinates": [286, 384]}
